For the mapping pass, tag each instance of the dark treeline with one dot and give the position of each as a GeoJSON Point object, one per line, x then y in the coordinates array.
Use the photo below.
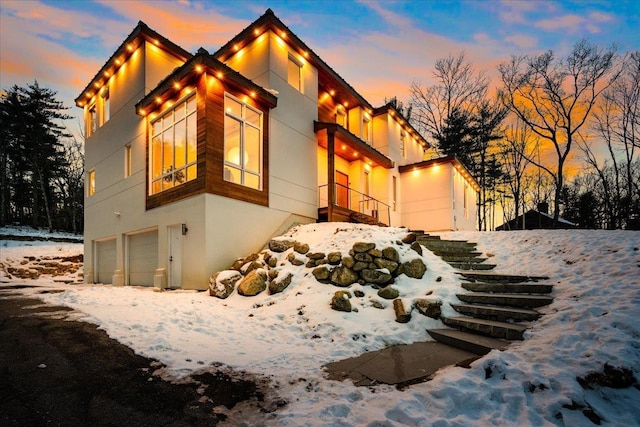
{"type": "Point", "coordinates": [42, 175]}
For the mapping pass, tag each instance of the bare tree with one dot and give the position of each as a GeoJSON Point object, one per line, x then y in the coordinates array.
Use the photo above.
{"type": "Point", "coordinates": [458, 87]}
{"type": "Point", "coordinates": [554, 97]}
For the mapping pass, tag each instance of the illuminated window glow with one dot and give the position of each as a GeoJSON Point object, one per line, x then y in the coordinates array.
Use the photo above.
{"type": "Point", "coordinates": [91, 182]}
{"type": "Point", "coordinates": [174, 147]}
{"type": "Point", "coordinates": [294, 73]}
{"type": "Point", "coordinates": [242, 143]}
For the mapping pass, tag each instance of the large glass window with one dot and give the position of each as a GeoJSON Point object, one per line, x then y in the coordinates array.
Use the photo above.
{"type": "Point", "coordinates": [174, 146]}
{"type": "Point", "coordinates": [242, 143]}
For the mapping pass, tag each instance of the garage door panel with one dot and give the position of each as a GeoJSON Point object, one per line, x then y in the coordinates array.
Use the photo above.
{"type": "Point", "coordinates": [143, 258]}
{"type": "Point", "coordinates": [105, 260]}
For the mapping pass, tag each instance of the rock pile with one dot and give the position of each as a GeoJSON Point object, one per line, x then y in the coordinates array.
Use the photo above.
{"type": "Point", "coordinates": [365, 265]}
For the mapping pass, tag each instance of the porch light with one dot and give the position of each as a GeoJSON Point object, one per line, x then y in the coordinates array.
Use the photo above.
{"type": "Point", "coordinates": [236, 47]}
{"type": "Point", "coordinates": [306, 54]}
{"type": "Point", "coordinates": [176, 86]}
{"type": "Point", "coordinates": [256, 32]}
{"type": "Point", "coordinates": [344, 147]}
{"type": "Point", "coordinates": [118, 62]}
{"type": "Point", "coordinates": [96, 84]}
{"type": "Point", "coordinates": [355, 154]}
{"type": "Point", "coordinates": [346, 104]}
{"type": "Point", "coordinates": [253, 94]}
{"type": "Point", "coordinates": [367, 167]}
{"type": "Point", "coordinates": [156, 42]}
{"type": "Point", "coordinates": [158, 100]}
{"type": "Point", "coordinates": [129, 47]}
{"type": "Point", "coordinates": [106, 74]}
{"type": "Point", "coordinates": [332, 92]}
{"type": "Point", "coordinates": [283, 34]}
{"type": "Point", "coordinates": [142, 112]}
{"type": "Point", "coordinates": [199, 68]}
{"type": "Point", "coordinates": [219, 74]}
{"type": "Point", "coordinates": [89, 95]}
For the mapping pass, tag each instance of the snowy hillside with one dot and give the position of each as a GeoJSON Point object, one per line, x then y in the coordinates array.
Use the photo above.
{"type": "Point", "coordinates": [287, 337]}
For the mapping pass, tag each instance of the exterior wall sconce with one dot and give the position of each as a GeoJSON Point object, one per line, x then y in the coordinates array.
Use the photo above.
{"type": "Point", "coordinates": [184, 229]}
{"type": "Point", "coordinates": [117, 213]}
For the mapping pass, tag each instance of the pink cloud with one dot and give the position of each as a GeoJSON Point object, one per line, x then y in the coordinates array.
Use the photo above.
{"type": "Point", "coordinates": [522, 41]}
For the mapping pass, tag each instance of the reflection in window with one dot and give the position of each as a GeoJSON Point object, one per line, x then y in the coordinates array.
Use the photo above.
{"type": "Point", "coordinates": [242, 143]}
{"type": "Point", "coordinates": [173, 146]}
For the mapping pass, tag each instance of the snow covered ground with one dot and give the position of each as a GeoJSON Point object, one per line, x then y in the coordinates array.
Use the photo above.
{"type": "Point", "coordinates": [595, 319]}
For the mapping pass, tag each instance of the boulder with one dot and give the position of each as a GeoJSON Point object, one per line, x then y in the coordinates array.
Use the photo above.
{"type": "Point", "coordinates": [358, 266]}
{"type": "Point", "coordinates": [358, 293]}
{"type": "Point", "coordinates": [375, 277]}
{"type": "Point", "coordinates": [316, 255]}
{"type": "Point", "coordinates": [402, 315]}
{"type": "Point", "coordinates": [348, 261]}
{"type": "Point", "coordinates": [428, 308]}
{"type": "Point", "coordinates": [272, 262]}
{"type": "Point", "coordinates": [409, 238]}
{"type": "Point", "coordinates": [237, 265]}
{"type": "Point", "coordinates": [363, 246]}
{"type": "Point", "coordinates": [391, 254]}
{"type": "Point", "coordinates": [416, 247]}
{"type": "Point", "coordinates": [272, 274]}
{"type": "Point", "coordinates": [414, 268]}
{"type": "Point", "coordinates": [249, 267]}
{"type": "Point", "coordinates": [376, 253]}
{"type": "Point", "coordinates": [222, 283]}
{"type": "Point", "coordinates": [343, 276]}
{"type": "Point", "coordinates": [252, 284]}
{"type": "Point", "coordinates": [252, 257]}
{"type": "Point", "coordinates": [363, 257]}
{"type": "Point", "coordinates": [388, 292]}
{"type": "Point", "coordinates": [340, 301]}
{"type": "Point", "coordinates": [321, 274]}
{"type": "Point", "coordinates": [334, 258]}
{"type": "Point", "coordinates": [301, 248]}
{"type": "Point", "coordinates": [294, 260]}
{"type": "Point", "coordinates": [277, 286]}
{"type": "Point", "coordinates": [386, 263]}
{"type": "Point", "coordinates": [280, 245]}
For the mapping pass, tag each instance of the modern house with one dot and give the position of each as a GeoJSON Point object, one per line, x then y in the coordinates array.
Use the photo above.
{"type": "Point", "coordinates": [194, 160]}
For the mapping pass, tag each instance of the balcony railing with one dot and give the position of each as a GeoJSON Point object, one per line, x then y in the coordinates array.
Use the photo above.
{"type": "Point", "coordinates": [355, 201]}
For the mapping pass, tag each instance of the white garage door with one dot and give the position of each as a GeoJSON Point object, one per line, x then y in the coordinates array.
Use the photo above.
{"type": "Point", "coordinates": [143, 258]}
{"type": "Point", "coordinates": [105, 260]}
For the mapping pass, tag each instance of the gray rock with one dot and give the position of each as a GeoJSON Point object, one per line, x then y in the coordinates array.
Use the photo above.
{"type": "Point", "coordinates": [252, 284]}
{"type": "Point", "coordinates": [375, 277]}
{"type": "Point", "coordinates": [223, 288]}
{"type": "Point", "coordinates": [358, 293]}
{"type": "Point", "coordinates": [358, 266]}
{"type": "Point", "coordinates": [363, 246]}
{"type": "Point", "coordinates": [414, 268]}
{"type": "Point", "coordinates": [301, 248]}
{"type": "Point", "coordinates": [277, 286]}
{"type": "Point", "coordinates": [363, 257]}
{"type": "Point", "coordinates": [334, 258]}
{"type": "Point", "coordinates": [321, 274]}
{"type": "Point", "coordinates": [340, 301]}
{"type": "Point", "coordinates": [376, 253]}
{"type": "Point", "coordinates": [388, 292]}
{"type": "Point", "coordinates": [391, 254]}
{"type": "Point", "coordinates": [272, 274]}
{"type": "Point", "coordinates": [416, 247]}
{"type": "Point", "coordinates": [385, 263]}
{"type": "Point", "coordinates": [428, 308]}
{"type": "Point", "coordinates": [378, 305]}
{"type": "Point", "coordinates": [273, 262]}
{"type": "Point", "coordinates": [294, 260]}
{"type": "Point", "coordinates": [316, 255]}
{"type": "Point", "coordinates": [348, 261]}
{"type": "Point", "coordinates": [343, 276]}
{"type": "Point", "coordinates": [280, 245]}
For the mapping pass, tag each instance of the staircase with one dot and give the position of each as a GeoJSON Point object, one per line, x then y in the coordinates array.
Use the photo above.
{"type": "Point", "coordinates": [459, 254]}
{"type": "Point", "coordinates": [495, 309]}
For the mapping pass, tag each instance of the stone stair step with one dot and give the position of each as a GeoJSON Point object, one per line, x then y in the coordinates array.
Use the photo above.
{"type": "Point", "coordinates": [449, 245]}
{"type": "Point", "coordinates": [514, 288]}
{"type": "Point", "coordinates": [492, 312]}
{"type": "Point", "coordinates": [500, 277]}
{"type": "Point", "coordinates": [513, 300]}
{"type": "Point", "coordinates": [463, 257]}
{"type": "Point", "coordinates": [471, 266]}
{"type": "Point", "coordinates": [492, 328]}
{"type": "Point", "coordinates": [474, 343]}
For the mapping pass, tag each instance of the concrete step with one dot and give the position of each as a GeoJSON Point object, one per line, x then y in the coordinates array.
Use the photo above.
{"type": "Point", "coordinates": [492, 312]}
{"type": "Point", "coordinates": [492, 328]}
{"type": "Point", "coordinates": [468, 341]}
{"type": "Point", "coordinates": [471, 266]}
{"type": "Point", "coordinates": [500, 277]}
{"type": "Point", "coordinates": [463, 257]}
{"type": "Point", "coordinates": [512, 300]}
{"type": "Point", "coordinates": [513, 288]}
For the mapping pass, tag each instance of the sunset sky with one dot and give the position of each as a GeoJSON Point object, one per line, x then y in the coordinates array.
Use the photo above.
{"type": "Point", "coordinates": [378, 47]}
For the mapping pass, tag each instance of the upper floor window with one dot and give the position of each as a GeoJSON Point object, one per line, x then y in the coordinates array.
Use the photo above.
{"type": "Point", "coordinates": [294, 73]}
{"type": "Point", "coordinates": [403, 144]}
{"type": "Point", "coordinates": [341, 117]}
{"type": "Point", "coordinates": [242, 143]}
{"type": "Point", "coordinates": [106, 106]}
{"type": "Point", "coordinates": [174, 146]}
{"type": "Point", "coordinates": [366, 128]}
{"type": "Point", "coordinates": [92, 119]}
{"type": "Point", "coordinates": [91, 182]}
{"type": "Point", "coordinates": [128, 161]}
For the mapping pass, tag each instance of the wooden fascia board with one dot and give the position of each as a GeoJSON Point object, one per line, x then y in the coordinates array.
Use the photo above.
{"type": "Point", "coordinates": [139, 34]}
{"type": "Point", "coordinates": [355, 143]}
